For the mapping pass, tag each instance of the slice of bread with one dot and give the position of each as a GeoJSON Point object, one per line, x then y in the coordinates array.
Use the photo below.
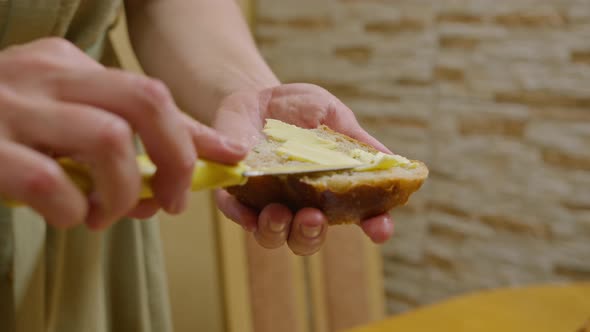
{"type": "Point", "coordinates": [344, 196]}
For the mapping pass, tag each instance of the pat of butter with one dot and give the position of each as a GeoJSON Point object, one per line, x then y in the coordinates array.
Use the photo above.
{"type": "Point", "coordinates": [285, 132]}
{"type": "Point", "coordinates": [378, 160]}
{"type": "Point", "coordinates": [305, 145]}
{"type": "Point", "coordinates": [315, 154]}
{"type": "Point", "coordinates": [362, 155]}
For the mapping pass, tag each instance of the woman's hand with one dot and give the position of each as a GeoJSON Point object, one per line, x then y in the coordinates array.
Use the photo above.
{"type": "Point", "coordinates": [242, 116]}
{"type": "Point", "coordinates": [57, 101]}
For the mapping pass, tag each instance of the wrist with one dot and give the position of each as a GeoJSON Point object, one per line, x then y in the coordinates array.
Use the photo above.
{"type": "Point", "coordinates": [254, 80]}
{"type": "Point", "coordinates": [220, 83]}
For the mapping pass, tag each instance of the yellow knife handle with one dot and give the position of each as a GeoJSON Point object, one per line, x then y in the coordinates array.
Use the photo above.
{"type": "Point", "coordinates": [207, 175]}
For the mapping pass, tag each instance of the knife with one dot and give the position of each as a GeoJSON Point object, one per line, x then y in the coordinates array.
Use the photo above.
{"type": "Point", "coordinates": [207, 174]}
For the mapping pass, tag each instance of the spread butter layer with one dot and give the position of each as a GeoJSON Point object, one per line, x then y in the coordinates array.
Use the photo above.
{"type": "Point", "coordinates": [305, 145]}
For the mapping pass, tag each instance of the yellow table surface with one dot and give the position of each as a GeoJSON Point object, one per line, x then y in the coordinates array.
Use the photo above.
{"type": "Point", "coordinates": [540, 308]}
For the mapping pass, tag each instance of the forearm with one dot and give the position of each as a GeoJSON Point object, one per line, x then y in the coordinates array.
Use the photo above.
{"type": "Point", "coordinates": [201, 49]}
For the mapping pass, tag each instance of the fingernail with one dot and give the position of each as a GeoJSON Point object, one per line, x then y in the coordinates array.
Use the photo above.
{"type": "Point", "coordinates": [311, 232]}
{"type": "Point", "coordinates": [180, 203]}
{"type": "Point", "coordinates": [235, 145]}
{"type": "Point", "coordinates": [276, 226]}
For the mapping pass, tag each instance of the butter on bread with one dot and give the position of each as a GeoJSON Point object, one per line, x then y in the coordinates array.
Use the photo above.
{"type": "Point", "coordinates": [378, 183]}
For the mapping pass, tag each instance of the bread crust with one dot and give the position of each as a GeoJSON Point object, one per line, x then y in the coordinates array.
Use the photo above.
{"type": "Point", "coordinates": [343, 202]}
{"type": "Point", "coordinates": [360, 201]}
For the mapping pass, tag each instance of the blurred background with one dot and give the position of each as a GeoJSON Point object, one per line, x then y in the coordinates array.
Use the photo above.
{"type": "Point", "coordinates": [493, 95]}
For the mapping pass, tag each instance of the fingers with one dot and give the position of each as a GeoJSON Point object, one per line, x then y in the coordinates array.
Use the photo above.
{"type": "Point", "coordinates": [99, 139]}
{"type": "Point", "coordinates": [274, 224]}
{"type": "Point", "coordinates": [304, 233]}
{"type": "Point", "coordinates": [95, 113]}
{"type": "Point", "coordinates": [116, 175]}
{"type": "Point", "coordinates": [48, 54]}
{"type": "Point", "coordinates": [148, 107]}
{"type": "Point", "coordinates": [308, 231]}
{"type": "Point", "coordinates": [235, 211]}
{"type": "Point", "coordinates": [36, 180]}
{"type": "Point", "coordinates": [379, 229]}
{"type": "Point", "coordinates": [213, 146]}
{"type": "Point", "coordinates": [360, 134]}
{"type": "Point", "coordinates": [145, 209]}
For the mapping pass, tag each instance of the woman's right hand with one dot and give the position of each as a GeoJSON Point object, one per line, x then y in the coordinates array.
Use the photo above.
{"type": "Point", "coordinates": [57, 101]}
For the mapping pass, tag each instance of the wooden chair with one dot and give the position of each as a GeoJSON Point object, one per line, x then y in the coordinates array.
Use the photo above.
{"type": "Point", "coordinates": [221, 280]}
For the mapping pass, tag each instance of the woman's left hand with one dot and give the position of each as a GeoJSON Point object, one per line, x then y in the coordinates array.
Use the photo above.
{"type": "Point", "coordinates": [242, 116]}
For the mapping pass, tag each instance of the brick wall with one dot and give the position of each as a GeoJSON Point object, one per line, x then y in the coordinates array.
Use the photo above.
{"type": "Point", "coordinates": [493, 95]}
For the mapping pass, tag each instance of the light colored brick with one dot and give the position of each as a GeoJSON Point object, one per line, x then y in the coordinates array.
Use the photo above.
{"type": "Point", "coordinates": [525, 50]}
{"type": "Point", "coordinates": [579, 12]}
{"type": "Point", "coordinates": [404, 284]}
{"type": "Point", "coordinates": [452, 107]}
{"type": "Point", "coordinates": [442, 225]}
{"type": "Point", "coordinates": [481, 126]}
{"type": "Point", "coordinates": [282, 9]}
{"type": "Point", "coordinates": [481, 33]}
{"type": "Point", "coordinates": [569, 228]}
{"type": "Point", "coordinates": [570, 257]}
{"type": "Point", "coordinates": [517, 226]}
{"type": "Point", "coordinates": [568, 136]}
{"type": "Point", "coordinates": [494, 96]}
{"type": "Point", "coordinates": [532, 19]}
{"type": "Point", "coordinates": [582, 221]}
{"type": "Point", "coordinates": [440, 285]}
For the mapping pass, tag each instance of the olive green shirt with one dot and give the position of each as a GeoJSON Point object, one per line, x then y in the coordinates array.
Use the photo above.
{"type": "Point", "coordinates": [76, 280]}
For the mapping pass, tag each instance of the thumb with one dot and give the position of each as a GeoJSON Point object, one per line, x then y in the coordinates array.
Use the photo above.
{"type": "Point", "coordinates": [213, 146]}
{"type": "Point", "coordinates": [342, 119]}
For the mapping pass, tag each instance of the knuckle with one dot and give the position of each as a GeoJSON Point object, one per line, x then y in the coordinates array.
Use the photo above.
{"type": "Point", "coordinates": [125, 198]}
{"type": "Point", "coordinates": [130, 196]}
{"type": "Point", "coordinates": [6, 96]}
{"type": "Point", "coordinates": [114, 136]}
{"type": "Point", "coordinates": [45, 54]}
{"type": "Point", "coordinates": [44, 180]}
{"type": "Point", "coordinates": [59, 45]}
{"type": "Point", "coordinates": [41, 63]}
{"type": "Point", "coordinates": [197, 130]}
{"type": "Point", "coordinates": [186, 165]}
{"type": "Point", "coordinates": [157, 94]}
{"type": "Point", "coordinates": [49, 54]}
